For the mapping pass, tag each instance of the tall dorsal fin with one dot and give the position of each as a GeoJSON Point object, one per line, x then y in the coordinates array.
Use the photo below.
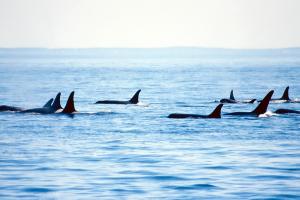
{"type": "Point", "coordinates": [56, 104]}
{"type": "Point", "coordinates": [217, 112]}
{"type": "Point", "coordinates": [48, 104]}
{"type": "Point", "coordinates": [263, 106]}
{"type": "Point", "coordinates": [285, 95]}
{"type": "Point", "coordinates": [69, 108]}
{"type": "Point", "coordinates": [231, 95]}
{"type": "Point", "coordinates": [135, 98]}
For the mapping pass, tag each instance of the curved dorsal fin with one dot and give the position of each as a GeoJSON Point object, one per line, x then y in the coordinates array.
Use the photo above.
{"type": "Point", "coordinates": [231, 95]}
{"type": "Point", "coordinates": [285, 95]}
{"type": "Point", "coordinates": [69, 108]}
{"type": "Point", "coordinates": [135, 98]}
{"type": "Point", "coordinates": [48, 104]}
{"type": "Point", "coordinates": [263, 106]}
{"type": "Point", "coordinates": [56, 104]}
{"type": "Point", "coordinates": [217, 112]}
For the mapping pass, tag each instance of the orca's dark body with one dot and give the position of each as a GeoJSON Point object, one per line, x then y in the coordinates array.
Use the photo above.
{"type": "Point", "coordinates": [48, 108]}
{"type": "Point", "coordinates": [215, 114]}
{"type": "Point", "coordinates": [4, 108]}
{"type": "Point", "coordinates": [18, 109]}
{"type": "Point", "coordinates": [133, 100]}
{"type": "Point", "coordinates": [233, 100]}
{"type": "Point", "coordinates": [286, 111]}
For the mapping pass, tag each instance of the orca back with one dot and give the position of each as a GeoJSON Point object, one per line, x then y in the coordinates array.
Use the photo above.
{"type": "Point", "coordinates": [227, 101]}
{"type": "Point", "coordinates": [263, 105]}
{"type": "Point", "coordinates": [286, 111]}
{"type": "Point", "coordinates": [135, 98]}
{"type": "Point", "coordinates": [252, 100]}
{"type": "Point", "coordinates": [9, 108]}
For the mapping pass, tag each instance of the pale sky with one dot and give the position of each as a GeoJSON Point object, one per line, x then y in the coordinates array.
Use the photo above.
{"type": "Point", "coordinates": [150, 23]}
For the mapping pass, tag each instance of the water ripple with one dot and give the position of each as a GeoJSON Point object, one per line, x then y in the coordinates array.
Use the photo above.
{"type": "Point", "coordinates": [136, 152]}
{"type": "Point", "coordinates": [193, 187]}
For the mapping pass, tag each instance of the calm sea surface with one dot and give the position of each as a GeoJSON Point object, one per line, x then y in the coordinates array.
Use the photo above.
{"type": "Point", "coordinates": [136, 152]}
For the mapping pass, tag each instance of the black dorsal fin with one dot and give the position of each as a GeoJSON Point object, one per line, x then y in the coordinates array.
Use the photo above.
{"type": "Point", "coordinates": [56, 104]}
{"type": "Point", "coordinates": [231, 95]}
{"type": "Point", "coordinates": [48, 104]}
{"type": "Point", "coordinates": [135, 98]}
{"type": "Point", "coordinates": [217, 112]}
{"type": "Point", "coordinates": [263, 106]}
{"type": "Point", "coordinates": [70, 108]}
{"type": "Point", "coordinates": [285, 95]}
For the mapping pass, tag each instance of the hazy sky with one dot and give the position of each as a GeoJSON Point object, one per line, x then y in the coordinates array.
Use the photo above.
{"type": "Point", "coordinates": [150, 23]}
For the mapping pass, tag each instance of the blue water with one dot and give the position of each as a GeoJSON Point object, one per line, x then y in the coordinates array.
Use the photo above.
{"type": "Point", "coordinates": [136, 152]}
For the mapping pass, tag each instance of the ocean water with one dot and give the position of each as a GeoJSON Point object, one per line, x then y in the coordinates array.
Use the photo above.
{"type": "Point", "coordinates": [135, 151]}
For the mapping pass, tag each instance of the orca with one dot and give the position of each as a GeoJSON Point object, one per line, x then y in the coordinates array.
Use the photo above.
{"type": "Point", "coordinates": [4, 108]}
{"type": "Point", "coordinates": [283, 99]}
{"type": "Point", "coordinates": [286, 111]}
{"type": "Point", "coordinates": [215, 114]}
{"type": "Point", "coordinates": [260, 109]}
{"type": "Point", "coordinates": [133, 100]}
{"type": "Point", "coordinates": [233, 100]}
{"type": "Point", "coordinates": [18, 109]}
{"type": "Point", "coordinates": [47, 108]}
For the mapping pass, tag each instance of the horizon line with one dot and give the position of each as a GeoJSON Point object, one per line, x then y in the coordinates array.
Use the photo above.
{"type": "Point", "coordinates": [160, 47]}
